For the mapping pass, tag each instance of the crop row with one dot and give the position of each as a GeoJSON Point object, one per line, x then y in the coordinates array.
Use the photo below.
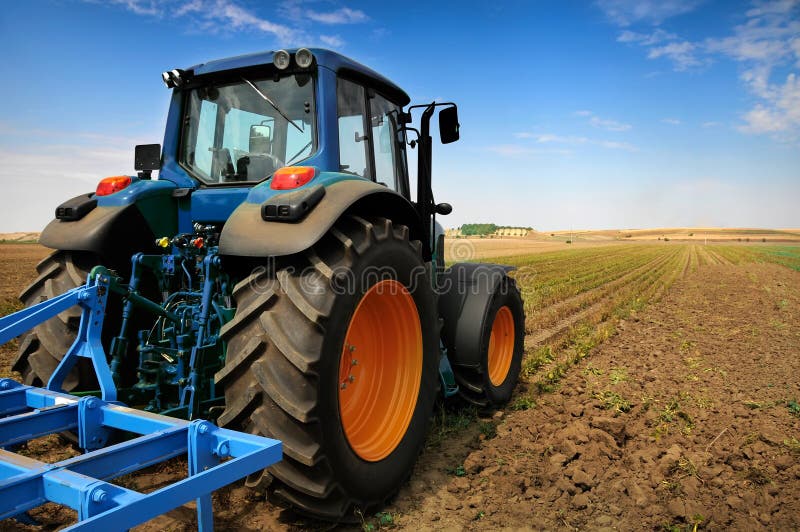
{"type": "Point", "coordinates": [548, 362]}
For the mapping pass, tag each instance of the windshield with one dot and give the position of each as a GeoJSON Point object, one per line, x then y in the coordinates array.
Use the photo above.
{"type": "Point", "coordinates": [246, 130]}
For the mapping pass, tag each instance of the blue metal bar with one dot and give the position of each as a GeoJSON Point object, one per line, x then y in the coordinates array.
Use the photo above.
{"type": "Point", "coordinates": [13, 402]}
{"type": "Point", "coordinates": [216, 457]}
{"type": "Point", "coordinates": [30, 425]}
{"type": "Point", "coordinates": [88, 343]}
{"type": "Point", "coordinates": [15, 324]}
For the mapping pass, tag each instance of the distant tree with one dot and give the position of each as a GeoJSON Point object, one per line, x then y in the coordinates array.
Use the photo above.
{"type": "Point", "coordinates": [691, 234]}
{"type": "Point", "coordinates": [569, 242]}
{"type": "Point", "coordinates": [478, 229]}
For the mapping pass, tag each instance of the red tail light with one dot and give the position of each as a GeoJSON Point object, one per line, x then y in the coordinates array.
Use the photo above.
{"type": "Point", "coordinates": [109, 185]}
{"type": "Point", "coordinates": [292, 177]}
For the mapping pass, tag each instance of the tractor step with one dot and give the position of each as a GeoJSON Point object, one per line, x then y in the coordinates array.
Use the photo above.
{"type": "Point", "coordinates": [216, 457]}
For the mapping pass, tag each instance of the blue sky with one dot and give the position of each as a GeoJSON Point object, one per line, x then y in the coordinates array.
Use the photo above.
{"type": "Point", "coordinates": [605, 114]}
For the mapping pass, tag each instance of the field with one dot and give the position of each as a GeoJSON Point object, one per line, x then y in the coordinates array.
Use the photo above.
{"type": "Point", "coordinates": [659, 391]}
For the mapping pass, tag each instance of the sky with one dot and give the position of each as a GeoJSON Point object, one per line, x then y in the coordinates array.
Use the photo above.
{"type": "Point", "coordinates": [585, 115]}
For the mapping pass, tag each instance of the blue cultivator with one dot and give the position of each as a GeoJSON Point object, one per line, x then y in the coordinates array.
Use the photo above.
{"type": "Point", "coordinates": [216, 456]}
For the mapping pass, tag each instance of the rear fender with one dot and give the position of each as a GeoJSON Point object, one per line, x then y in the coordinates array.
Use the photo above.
{"type": "Point", "coordinates": [247, 234]}
{"type": "Point", "coordinates": [122, 223]}
{"type": "Point", "coordinates": [465, 295]}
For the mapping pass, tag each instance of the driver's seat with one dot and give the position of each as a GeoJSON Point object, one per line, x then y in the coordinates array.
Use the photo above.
{"type": "Point", "coordinates": [255, 167]}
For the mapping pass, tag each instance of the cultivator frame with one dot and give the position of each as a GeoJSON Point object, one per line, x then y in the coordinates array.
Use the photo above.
{"type": "Point", "coordinates": [216, 457]}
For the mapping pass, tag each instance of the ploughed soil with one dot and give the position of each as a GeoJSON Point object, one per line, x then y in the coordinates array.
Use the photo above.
{"type": "Point", "coordinates": [688, 416]}
{"type": "Point", "coordinates": [17, 270]}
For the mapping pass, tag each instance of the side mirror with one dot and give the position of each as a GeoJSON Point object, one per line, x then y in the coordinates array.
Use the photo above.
{"type": "Point", "coordinates": [147, 157]}
{"type": "Point", "coordinates": [260, 138]}
{"type": "Point", "coordinates": [443, 208]}
{"type": "Point", "coordinates": [448, 125]}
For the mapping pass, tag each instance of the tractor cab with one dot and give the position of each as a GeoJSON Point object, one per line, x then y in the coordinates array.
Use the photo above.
{"type": "Point", "coordinates": [234, 123]}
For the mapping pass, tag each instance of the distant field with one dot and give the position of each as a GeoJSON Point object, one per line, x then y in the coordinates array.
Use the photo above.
{"type": "Point", "coordinates": [474, 248]}
{"type": "Point", "coordinates": [466, 249]}
{"type": "Point", "coordinates": [712, 234]}
{"type": "Point", "coordinates": [574, 297]}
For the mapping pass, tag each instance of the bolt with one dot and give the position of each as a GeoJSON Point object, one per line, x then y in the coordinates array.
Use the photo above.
{"type": "Point", "coordinates": [223, 450]}
{"type": "Point", "coordinates": [4, 385]}
{"type": "Point", "coordinates": [344, 386]}
{"type": "Point", "coordinates": [91, 403]}
{"type": "Point", "coordinates": [351, 378]}
{"type": "Point", "coordinates": [203, 428]}
{"type": "Point", "coordinates": [99, 496]}
{"type": "Point", "coordinates": [83, 296]}
{"type": "Point", "coordinates": [352, 348]}
{"type": "Point", "coordinates": [354, 362]}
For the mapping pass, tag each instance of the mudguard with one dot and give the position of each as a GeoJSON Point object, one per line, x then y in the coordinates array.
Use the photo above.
{"type": "Point", "coordinates": [122, 223]}
{"type": "Point", "coordinates": [247, 234]}
{"type": "Point", "coordinates": [465, 295]}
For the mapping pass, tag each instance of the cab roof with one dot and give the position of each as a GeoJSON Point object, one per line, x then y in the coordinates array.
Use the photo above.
{"type": "Point", "coordinates": [325, 58]}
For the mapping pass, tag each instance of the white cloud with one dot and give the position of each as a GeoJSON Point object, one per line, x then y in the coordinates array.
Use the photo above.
{"type": "Point", "coordinates": [662, 44]}
{"type": "Point", "coordinates": [646, 39]}
{"type": "Point", "coordinates": [603, 123]}
{"type": "Point", "coordinates": [671, 121]}
{"type": "Point", "coordinates": [142, 7]}
{"type": "Point", "coordinates": [574, 140]}
{"type": "Point", "coordinates": [237, 17]}
{"type": "Point", "coordinates": [334, 41]}
{"type": "Point", "coordinates": [609, 125]}
{"type": "Point", "coordinates": [298, 12]}
{"type": "Point", "coordinates": [192, 6]}
{"type": "Point", "coordinates": [766, 42]}
{"type": "Point", "coordinates": [682, 54]}
{"type": "Point", "coordinates": [627, 12]}
{"type": "Point", "coordinates": [779, 114]}
{"type": "Point", "coordinates": [344, 15]}
{"type": "Point", "coordinates": [710, 123]}
{"type": "Point", "coordinates": [221, 16]}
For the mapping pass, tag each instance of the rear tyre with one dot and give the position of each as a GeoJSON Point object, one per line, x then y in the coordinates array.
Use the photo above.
{"type": "Point", "coordinates": [502, 345]}
{"type": "Point", "coordinates": [43, 347]}
{"type": "Point", "coordinates": [335, 353]}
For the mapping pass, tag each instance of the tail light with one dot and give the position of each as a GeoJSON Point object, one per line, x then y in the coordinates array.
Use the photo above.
{"type": "Point", "coordinates": [109, 185]}
{"type": "Point", "coordinates": [292, 177]}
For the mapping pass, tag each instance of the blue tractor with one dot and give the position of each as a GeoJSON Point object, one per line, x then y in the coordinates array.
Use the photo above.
{"type": "Point", "coordinates": [279, 278]}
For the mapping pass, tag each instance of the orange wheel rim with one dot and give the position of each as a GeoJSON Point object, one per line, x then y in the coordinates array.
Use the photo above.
{"type": "Point", "coordinates": [501, 346]}
{"type": "Point", "coordinates": [380, 370]}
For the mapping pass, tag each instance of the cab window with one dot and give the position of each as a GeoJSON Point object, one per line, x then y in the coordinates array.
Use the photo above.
{"type": "Point", "coordinates": [371, 145]}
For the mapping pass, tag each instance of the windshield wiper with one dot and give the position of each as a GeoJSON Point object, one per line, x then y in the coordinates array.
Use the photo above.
{"type": "Point", "coordinates": [273, 104]}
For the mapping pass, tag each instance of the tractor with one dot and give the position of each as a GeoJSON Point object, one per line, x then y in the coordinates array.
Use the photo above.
{"type": "Point", "coordinates": [278, 278]}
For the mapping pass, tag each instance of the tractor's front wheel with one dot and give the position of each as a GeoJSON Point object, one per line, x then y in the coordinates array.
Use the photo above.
{"type": "Point", "coordinates": [335, 353]}
{"type": "Point", "coordinates": [501, 346]}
